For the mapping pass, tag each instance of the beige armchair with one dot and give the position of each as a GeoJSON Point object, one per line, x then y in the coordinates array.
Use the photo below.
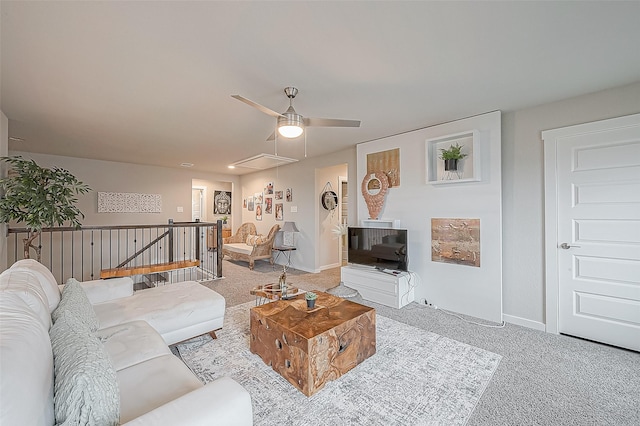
{"type": "Point", "coordinates": [236, 247]}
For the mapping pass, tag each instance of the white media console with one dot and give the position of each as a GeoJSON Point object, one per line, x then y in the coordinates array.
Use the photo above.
{"type": "Point", "coordinates": [386, 288]}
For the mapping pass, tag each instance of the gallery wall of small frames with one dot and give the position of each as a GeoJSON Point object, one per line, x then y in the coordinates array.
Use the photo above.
{"type": "Point", "coordinates": [268, 202]}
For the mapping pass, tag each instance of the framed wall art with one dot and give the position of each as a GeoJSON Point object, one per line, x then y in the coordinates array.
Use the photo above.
{"type": "Point", "coordinates": [453, 158]}
{"type": "Point", "coordinates": [388, 162]}
{"type": "Point", "coordinates": [455, 241]}
{"type": "Point", "coordinates": [222, 202]}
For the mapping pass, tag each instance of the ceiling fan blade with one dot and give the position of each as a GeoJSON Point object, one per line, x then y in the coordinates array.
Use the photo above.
{"type": "Point", "coordinates": [330, 122]}
{"type": "Point", "coordinates": [257, 106]}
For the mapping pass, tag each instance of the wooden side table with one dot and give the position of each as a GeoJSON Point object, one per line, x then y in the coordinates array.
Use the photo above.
{"type": "Point", "coordinates": [212, 237]}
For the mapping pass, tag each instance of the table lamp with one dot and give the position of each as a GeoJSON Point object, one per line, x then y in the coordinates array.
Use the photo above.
{"type": "Point", "coordinates": [288, 229]}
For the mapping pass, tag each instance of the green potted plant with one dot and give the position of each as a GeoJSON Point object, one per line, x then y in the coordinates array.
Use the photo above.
{"type": "Point", "coordinates": [39, 198]}
{"type": "Point", "coordinates": [451, 156]}
{"type": "Point", "coordinates": [310, 297]}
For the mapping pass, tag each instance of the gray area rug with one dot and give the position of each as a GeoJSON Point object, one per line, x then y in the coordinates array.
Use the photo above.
{"type": "Point", "coordinates": [415, 378]}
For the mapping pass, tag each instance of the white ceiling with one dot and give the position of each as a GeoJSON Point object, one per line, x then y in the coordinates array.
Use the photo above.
{"type": "Point", "coordinates": [150, 82]}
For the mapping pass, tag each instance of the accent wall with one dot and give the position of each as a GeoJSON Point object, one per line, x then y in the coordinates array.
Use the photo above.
{"type": "Point", "coordinates": [422, 196]}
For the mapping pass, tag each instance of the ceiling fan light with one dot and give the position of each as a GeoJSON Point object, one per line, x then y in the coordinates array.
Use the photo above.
{"type": "Point", "coordinates": [290, 131]}
{"type": "Point", "coordinates": [290, 126]}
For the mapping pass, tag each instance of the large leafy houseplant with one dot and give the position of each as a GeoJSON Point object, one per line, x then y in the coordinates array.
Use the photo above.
{"type": "Point", "coordinates": [39, 198]}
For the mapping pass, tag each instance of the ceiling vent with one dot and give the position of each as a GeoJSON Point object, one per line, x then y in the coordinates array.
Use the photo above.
{"type": "Point", "coordinates": [264, 161]}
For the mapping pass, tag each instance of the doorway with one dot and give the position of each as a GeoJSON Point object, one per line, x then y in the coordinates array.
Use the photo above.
{"type": "Point", "coordinates": [344, 216]}
{"type": "Point", "coordinates": [197, 204]}
{"type": "Point", "coordinates": [592, 231]}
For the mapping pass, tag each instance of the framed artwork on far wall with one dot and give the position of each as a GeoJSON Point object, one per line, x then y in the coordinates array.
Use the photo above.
{"type": "Point", "coordinates": [221, 202]}
{"type": "Point", "coordinates": [279, 211]}
{"type": "Point", "coordinates": [453, 158]}
{"type": "Point", "coordinates": [289, 195]}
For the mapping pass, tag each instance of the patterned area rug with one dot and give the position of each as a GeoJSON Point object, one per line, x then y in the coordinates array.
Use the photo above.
{"type": "Point", "coordinates": [415, 378]}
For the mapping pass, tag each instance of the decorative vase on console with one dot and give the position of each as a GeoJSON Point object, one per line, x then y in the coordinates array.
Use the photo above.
{"type": "Point", "coordinates": [282, 282]}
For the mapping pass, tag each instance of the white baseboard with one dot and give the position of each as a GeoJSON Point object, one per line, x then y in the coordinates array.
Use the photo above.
{"type": "Point", "coordinates": [524, 322]}
{"type": "Point", "coordinates": [325, 267]}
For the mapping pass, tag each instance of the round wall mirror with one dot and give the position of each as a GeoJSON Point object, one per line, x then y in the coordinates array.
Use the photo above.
{"type": "Point", "coordinates": [374, 186]}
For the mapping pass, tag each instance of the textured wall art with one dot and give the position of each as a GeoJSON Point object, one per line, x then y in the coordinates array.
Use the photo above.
{"type": "Point", "coordinates": [455, 241]}
{"type": "Point", "coordinates": [388, 162]}
{"type": "Point", "coordinates": [126, 202]}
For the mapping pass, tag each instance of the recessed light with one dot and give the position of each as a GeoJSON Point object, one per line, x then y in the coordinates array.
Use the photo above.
{"type": "Point", "coordinates": [231, 166]}
{"type": "Point", "coordinates": [186, 164]}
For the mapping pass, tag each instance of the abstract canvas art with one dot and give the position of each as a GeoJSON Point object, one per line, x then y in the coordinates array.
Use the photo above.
{"type": "Point", "coordinates": [388, 162]}
{"type": "Point", "coordinates": [455, 241]}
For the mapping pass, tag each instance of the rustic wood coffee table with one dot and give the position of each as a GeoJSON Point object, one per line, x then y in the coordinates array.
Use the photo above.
{"type": "Point", "coordinates": [310, 347]}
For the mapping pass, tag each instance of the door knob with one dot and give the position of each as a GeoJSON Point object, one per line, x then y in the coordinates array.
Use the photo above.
{"type": "Point", "coordinates": [566, 246]}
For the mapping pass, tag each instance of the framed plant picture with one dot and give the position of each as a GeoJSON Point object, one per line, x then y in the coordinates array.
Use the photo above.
{"type": "Point", "coordinates": [453, 158]}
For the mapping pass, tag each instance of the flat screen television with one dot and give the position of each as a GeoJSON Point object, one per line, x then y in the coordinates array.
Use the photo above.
{"type": "Point", "coordinates": [381, 248]}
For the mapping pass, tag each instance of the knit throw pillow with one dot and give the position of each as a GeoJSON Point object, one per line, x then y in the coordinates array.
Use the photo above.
{"type": "Point", "coordinates": [85, 384]}
{"type": "Point", "coordinates": [75, 300]}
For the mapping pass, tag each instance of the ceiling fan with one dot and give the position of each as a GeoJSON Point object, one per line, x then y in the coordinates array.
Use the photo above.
{"type": "Point", "coordinates": [290, 123]}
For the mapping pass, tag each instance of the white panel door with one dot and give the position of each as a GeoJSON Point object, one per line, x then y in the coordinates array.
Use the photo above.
{"type": "Point", "coordinates": [598, 232]}
{"type": "Point", "coordinates": [196, 204]}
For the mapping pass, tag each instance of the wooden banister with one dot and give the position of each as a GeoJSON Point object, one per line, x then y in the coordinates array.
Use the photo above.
{"type": "Point", "coordinates": [147, 269]}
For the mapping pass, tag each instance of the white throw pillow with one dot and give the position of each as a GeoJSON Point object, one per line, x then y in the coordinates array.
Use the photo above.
{"type": "Point", "coordinates": [25, 285]}
{"type": "Point", "coordinates": [46, 278]}
{"type": "Point", "coordinates": [75, 300]}
{"type": "Point", "coordinates": [85, 385]}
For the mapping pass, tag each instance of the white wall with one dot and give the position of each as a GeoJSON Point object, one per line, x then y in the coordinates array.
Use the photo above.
{"type": "Point", "coordinates": [475, 291]}
{"type": "Point", "coordinates": [523, 191]}
{"type": "Point", "coordinates": [174, 185]}
{"type": "Point", "coordinates": [301, 177]}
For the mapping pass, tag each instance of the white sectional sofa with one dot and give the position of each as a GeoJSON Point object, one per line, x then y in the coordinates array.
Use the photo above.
{"type": "Point", "coordinates": [108, 349]}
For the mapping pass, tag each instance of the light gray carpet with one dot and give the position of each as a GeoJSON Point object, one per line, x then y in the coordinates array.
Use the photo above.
{"type": "Point", "coordinates": [415, 378]}
{"type": "Point", "coordinates": [542, 379]}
